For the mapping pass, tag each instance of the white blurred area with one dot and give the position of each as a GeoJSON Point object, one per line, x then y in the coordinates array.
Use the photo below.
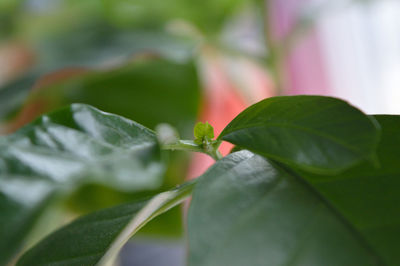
{"type": "Point", "coordinates": [361, 52]}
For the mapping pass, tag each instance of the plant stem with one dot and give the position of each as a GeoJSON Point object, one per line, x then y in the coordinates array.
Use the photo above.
{"type": "Point", "coordinates": [189, 145]}
{"type": "Point", "coordinates": [216, 155]}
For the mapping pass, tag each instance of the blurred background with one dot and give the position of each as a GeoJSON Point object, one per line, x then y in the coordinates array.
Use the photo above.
{"type": "Point", "coordinates": [180, 61]}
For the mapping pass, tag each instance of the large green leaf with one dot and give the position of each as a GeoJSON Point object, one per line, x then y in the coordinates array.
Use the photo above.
{"type": "Point", "coordinates": [369, 197]}
{"type": "Point", "coordinates": [247, 210]}
{"type": "Point", "coordinates": [319, 134]}
{"type": "Point", "coordinates": [63, 150]}
{"type": "Point", "coordinates": [98, 237]}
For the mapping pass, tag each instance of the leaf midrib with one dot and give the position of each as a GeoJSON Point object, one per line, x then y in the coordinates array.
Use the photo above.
{"type": "Point", "coordinates": [353, 230]}
{"type": "Point", "coordinates": [94, 223]}
{"type": "Point", "coordinates": [305, 237]}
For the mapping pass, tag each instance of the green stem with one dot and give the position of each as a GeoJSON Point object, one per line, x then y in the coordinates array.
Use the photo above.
{"type": "Point", "coordinates": [216, 155]}
{"type": "Point", "coordinates": [183, 145]}
{"type": "Point", "coordinates": [189, 145]}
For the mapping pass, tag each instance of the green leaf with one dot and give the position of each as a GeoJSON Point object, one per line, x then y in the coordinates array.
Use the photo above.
{"type": "Point", "coordinates": [61, 151]}
{"type": "Point", "coordinates": [247, 210]}
{"type": "Point", "coordinates": [203, 131]}
{"type": "Point", "coordinates": [315, 133]}
{"type": "Point", "coordinates": [367, 196]}
{"type": "Point", "coordinates": [98, 237]}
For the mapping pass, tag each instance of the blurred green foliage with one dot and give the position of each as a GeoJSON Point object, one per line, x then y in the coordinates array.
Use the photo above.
{"type": "Point", "coordinates": [131, 65]}
{"type": "Point", "coordinates": [147, 90]}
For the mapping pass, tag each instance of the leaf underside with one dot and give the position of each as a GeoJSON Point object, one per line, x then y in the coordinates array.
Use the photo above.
{"type": "Point", "coordinates": [248, 211]}
{"type": "Point", "coordinates": [368, 196]}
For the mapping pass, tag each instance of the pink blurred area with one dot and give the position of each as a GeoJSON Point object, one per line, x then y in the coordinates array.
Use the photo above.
{"type": "Point", "coordinates": [306, 74]}
{"type": "Point", "coordinates": [304, 71]}
{"type": "Point", "coordinates": [223, 99]}
{"type": "Point", "coordinates": [351, 50]}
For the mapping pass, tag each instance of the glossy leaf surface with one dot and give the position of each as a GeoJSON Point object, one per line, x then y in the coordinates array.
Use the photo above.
{"type": "Point", "coordinates": [367, 196]}
{"type": "Point", "coordinates": [98, 237]}
{"type": "Point", "coordinates": [247, 210]}
{"type": "Point", "coordinates": [315, 133]}
{"type": "Point", "coordinates": [68, 148]}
